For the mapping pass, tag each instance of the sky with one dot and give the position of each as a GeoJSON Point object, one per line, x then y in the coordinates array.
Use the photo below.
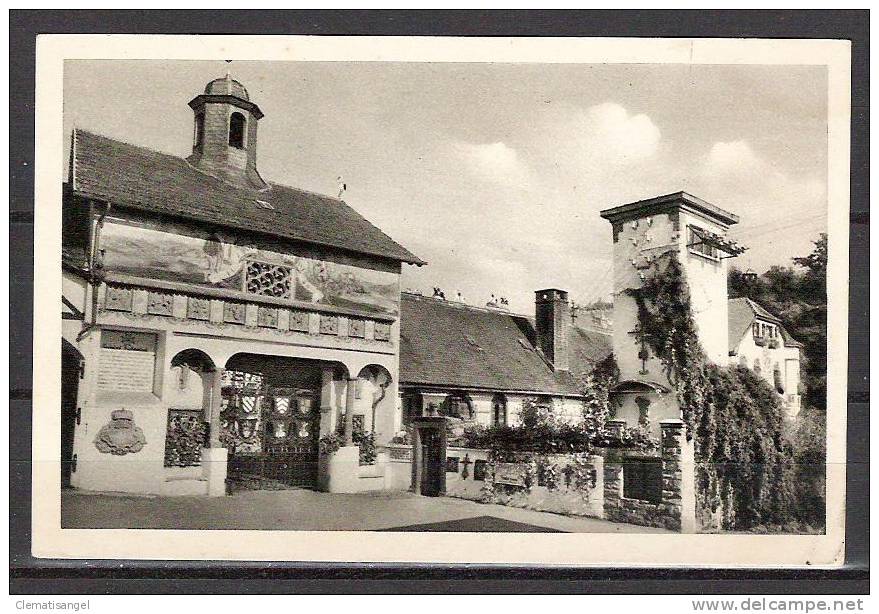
{"type": "Point", "coordinates": [495, 173]}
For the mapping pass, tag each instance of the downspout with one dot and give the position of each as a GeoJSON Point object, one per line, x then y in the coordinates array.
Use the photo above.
{"type": "Point", "coordinates": [96, 267]}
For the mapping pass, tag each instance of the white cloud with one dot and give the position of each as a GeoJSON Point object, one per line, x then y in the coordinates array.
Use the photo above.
{"type": "Point", "coordinates": [497, 162]}
{"type": "Point", "coordinates": [731, 159]}
{"type": "Point", "coordinates": [614, 134]}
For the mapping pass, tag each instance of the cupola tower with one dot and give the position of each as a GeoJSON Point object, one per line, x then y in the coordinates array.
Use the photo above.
{"type": "Point", "coordinates": [224, 134]}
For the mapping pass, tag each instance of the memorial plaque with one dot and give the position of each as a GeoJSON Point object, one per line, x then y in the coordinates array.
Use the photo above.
{"type": "Point", "coordinates": [128, 370]}
{"type": "Point", "coordinates": [401, 454]}
{"type": "Point", "coordinates": [511, 474]}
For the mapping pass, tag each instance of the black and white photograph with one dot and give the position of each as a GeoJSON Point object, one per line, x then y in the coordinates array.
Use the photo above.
{"type": "Point", "coordinates": [460, 297]}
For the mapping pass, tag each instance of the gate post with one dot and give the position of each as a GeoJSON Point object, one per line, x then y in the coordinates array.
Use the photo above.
{"type": "Point", "coordinates": [215, 457]}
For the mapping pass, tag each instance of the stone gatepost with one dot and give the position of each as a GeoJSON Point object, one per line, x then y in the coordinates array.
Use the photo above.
{"type": "Point", "coordinates": [678, 474]}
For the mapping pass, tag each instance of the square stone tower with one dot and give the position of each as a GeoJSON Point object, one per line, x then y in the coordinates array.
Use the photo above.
{"type": "Point", "coordinates": [643, 231]}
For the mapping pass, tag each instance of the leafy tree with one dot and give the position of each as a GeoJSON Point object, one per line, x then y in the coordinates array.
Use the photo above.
{"type": "Point", "coordinates": [798, 296]}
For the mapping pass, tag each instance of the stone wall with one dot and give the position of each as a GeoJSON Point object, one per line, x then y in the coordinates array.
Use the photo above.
{"type": "Point", "coordinates": [560, 483]}
{"type": "Point", "coordinates": [677, 506]}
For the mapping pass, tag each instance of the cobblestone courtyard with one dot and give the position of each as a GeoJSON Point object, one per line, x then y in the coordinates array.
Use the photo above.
{"type": "Point", "coordinates": [316, 511]}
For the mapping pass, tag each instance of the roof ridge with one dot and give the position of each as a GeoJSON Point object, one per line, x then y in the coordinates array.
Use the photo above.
{"type": "Point", "coordinates": [182, 159]}
{"type": "Point", "coordinates": [459, 305]}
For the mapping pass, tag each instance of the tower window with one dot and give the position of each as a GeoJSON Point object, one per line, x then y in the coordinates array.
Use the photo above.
{"type": "Point", "coordinates": [199, 130]}
{"type": "Point", "coordinates": [236, 130]}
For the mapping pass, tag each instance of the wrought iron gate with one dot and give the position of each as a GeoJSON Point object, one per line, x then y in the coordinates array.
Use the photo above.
{"type": "Point", "coordinates": [276, 435]}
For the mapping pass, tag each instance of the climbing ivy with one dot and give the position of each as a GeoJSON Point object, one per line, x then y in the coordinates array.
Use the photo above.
{"type": "Point", "coordinates": [744, 473]}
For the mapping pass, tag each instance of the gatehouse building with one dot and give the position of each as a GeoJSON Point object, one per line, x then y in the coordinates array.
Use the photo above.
{"type": "Point", "coordinates": [209, 313]}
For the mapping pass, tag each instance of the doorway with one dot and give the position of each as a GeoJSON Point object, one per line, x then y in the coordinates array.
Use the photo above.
{"type": "Point", "coordinates": [429, 456]}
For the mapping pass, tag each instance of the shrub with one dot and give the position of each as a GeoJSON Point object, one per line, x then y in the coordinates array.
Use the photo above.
{"type": "Point", "coordinates": [329, 444]}
{"type": "Point", "coordinates": [541, 432]}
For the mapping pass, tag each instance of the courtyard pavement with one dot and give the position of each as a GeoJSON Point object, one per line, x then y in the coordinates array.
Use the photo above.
{"type": "Point", "coordinates": [308, 510]}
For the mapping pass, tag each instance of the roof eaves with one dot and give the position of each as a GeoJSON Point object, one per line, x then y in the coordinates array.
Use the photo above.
{"type": "Point", "coordinates": [660, 203]}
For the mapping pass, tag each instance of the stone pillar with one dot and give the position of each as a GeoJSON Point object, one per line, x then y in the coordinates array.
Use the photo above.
{"type": "Point", "coordinates": [215, 456]}
{"type": "Point", "coordinates": [349, 411]}
{"type": "Point", "coordinates": [215, 408]}
{"type": "Point", "coordinates": [327, 402]}
{"type": "Point", "coordinates": [679, 472]}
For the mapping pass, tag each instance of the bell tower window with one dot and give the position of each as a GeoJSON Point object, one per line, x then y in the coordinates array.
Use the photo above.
{"type": "Point", "coordinates": [236, 130]}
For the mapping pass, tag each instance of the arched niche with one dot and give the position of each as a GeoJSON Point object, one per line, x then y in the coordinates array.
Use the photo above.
{"type": "Point", "coordinates": [191, 380]}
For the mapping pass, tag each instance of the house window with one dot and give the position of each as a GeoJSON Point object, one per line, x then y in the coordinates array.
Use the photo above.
{"type": "Point", "coordinates": [697, 244]}
{"type": "Point", "coordinates": [642, 479]}
{"type": "Point", "coordinates": [199, 130]}
{"type": "Point", "coordinates": [499, 410]}
{"type": "Point", "coordinates": [269, 279]}
{"type": "Point", "coordinates": [457, 405]}
{"type": "Point", "coordinates": [237, 124]}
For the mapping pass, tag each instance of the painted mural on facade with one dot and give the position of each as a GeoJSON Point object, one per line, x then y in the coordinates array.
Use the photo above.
{"type": "Point", "coordinates": [224, 260]}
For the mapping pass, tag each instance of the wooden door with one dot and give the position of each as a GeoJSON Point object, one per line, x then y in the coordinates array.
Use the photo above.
{"type": "Point", "coordinates": [432, 471]}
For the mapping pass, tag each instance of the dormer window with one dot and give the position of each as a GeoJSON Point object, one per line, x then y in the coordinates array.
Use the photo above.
{"type": "Point", "coordinates": [237, 124]}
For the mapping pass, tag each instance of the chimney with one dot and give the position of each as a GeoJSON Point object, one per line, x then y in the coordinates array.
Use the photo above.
{"type": "Point", "coordinates": [553, 322]}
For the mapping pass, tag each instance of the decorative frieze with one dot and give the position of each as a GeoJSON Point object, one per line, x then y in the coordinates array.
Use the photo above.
{"type": "Point", "coordinates": [382, 331]}
{"type": "Point", "coordinates": [267, 317]}
{"type": "Point", "coordinates": [160, 304]}
{"type": "Point", "coordinates": [145, 303]}
{"type": "Point", "coordinates": [118, 299]}
{"type": "Point", "coordinates": [299, 321]}
{"type": "Point", "coordinates": [233, 313]}
{"type": "Point", "coordinates": [356, 328]}
{"type": "Point", "coordinates": [198, 308]}
{"type": "Point", "coordinates": [329, 325]}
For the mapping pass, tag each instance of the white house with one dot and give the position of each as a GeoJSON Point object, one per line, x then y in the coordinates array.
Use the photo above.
{"type": "Point", "coordinates": [758, 340]}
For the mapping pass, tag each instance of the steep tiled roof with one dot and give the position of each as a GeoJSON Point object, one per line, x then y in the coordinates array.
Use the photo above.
{"type": "Point", "coordinates": [443, 343]}
{"type": "Point", "coordinates": [742, 312]}
{"type": "Point", "coordinates": [139, 178]}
